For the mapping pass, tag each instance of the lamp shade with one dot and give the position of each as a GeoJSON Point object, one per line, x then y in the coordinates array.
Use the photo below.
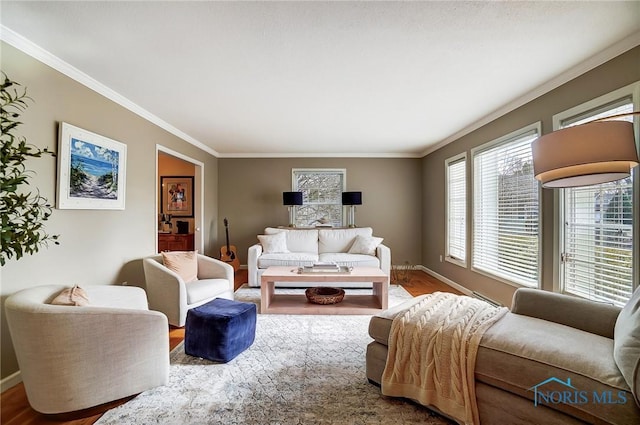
{"type": "Point", "coordinates": [291, 198]}
{"type": "Point", "coordinates": [586, 154]}
{"type": "Point", "coordinates": [351, 198]}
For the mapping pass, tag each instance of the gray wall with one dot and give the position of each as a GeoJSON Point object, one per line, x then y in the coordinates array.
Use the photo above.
{"type": "Point", "coordinates": [619, 72]}
{"type": "Point", "coordinates": [96, 247]}
{"type": "Point", "coordinates": [251, 198]}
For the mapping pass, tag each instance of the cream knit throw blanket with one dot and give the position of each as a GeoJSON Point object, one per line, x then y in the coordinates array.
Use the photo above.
{"type": "Point", "coordinates": [432, 353]}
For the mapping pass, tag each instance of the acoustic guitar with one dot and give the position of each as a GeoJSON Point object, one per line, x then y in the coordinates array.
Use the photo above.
{"type": "Point", "coordinates": [228, 253]}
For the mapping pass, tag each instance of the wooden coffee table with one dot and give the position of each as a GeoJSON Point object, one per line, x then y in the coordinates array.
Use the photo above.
{"type": "Point", "coordinates": [274, 303]}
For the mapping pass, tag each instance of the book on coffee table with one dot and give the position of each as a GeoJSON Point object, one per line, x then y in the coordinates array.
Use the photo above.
{"type": "Point", "coordinates": [324, 269]}
{"type": "Point", "coordinates": [325, 265]}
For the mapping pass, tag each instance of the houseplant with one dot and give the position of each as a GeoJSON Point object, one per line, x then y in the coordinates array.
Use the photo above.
{"type": "Point", "coordinates": [22, 212]}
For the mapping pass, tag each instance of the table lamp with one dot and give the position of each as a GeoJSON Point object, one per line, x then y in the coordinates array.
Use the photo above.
{"type": "Point", "coordinates": [291, 199]}
{"type": "Point", "coordinates": [352, 199]}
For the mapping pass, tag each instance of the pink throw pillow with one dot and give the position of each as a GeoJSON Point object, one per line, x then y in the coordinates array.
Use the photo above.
{"type": "Point", "coordinates": [75, 296]}
{"type": "Point", "coordinates": [184, 263]}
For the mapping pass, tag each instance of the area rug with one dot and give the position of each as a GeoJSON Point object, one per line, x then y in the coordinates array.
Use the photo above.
{"type": "Point", "coordinates": [301, 369]}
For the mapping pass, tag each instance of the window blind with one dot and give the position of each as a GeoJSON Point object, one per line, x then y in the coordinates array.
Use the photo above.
{"type": "Point", "coordinates": [597, 243]}
{"type": "Point", "coordinates": [506, 210]}
{"type": "Point", "coordinates": [457, 209]}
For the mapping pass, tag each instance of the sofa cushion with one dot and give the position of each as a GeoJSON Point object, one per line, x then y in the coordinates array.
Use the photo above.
{"type": "Point", "coordinates": [365, 245]}
{"type": "Point", "coordinates": [131, 297]}
{"type": "Point", "coordinates": [204, 289]}
{"type": "Point", "coordinates": [350, 260]}
{"type": "Point", "coordinates": [276, 243]}
{"type": "Point", "coordinates": [380, 324]}
{"type": "Point", "coordinates": [340, 240]}
{"type": "Point", "coordinates": [298, 240]}
{"type": "Point", "coordinates": [296, 259]}
{"type": "Point", "coordinates": [519, 352]}
{"type": "Point", "coordinates": [626, 346]}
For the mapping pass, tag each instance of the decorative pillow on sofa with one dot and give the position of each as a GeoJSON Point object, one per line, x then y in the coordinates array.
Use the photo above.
{"type": "Point", "coordinates": [273, 244]}
{"type": "Point", "coordinates": [184, 263]}
{"type": "Point", "coordinates": [75, 296]}
{"type": "Point", "coordinates": [365, 245]}
{"type": "Point", "coordinates": [626, 343]}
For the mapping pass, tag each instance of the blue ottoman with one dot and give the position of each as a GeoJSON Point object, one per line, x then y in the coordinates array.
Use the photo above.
{"type": "Point", "coordinates": [220, 329]}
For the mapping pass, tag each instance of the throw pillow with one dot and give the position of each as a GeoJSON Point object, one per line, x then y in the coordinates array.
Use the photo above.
{"type": "Point", "coordinates": [75, 296]}
{"type": "Point", "coordinates": [365, 245]}
{"type": "Point", "coordinates": [272, 244]}
{"type": "Point", "coordinates": [626, 343]}
{"type": "Point", "coordinates": [184, 263]}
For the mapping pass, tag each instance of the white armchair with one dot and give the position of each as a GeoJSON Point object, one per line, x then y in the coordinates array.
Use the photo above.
{"type": "Point", "coordinates": [73, 358]}
{"type": "Point", "coordinates": [170, 294]}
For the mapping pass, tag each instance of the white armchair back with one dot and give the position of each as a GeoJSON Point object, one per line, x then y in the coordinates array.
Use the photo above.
{"type": "Point", "coordinates": [63, 351]}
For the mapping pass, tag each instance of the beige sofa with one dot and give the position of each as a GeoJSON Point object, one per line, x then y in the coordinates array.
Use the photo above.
{"type": "Point", "coordinates": [304, 247]}
{"type": "Point", "coordinates": [594, 346]}
{"type": "Point", "coordinates": [72, 358]}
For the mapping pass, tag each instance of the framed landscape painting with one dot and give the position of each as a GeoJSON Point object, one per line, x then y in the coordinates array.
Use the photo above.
{"type": "Point", "coordinates": [177, 195]}
{"type": "Point", "coordinates": [91, 170]}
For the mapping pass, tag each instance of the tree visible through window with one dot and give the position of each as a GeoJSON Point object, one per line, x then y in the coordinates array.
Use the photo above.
{"type": "Point", "coordinates": [597, 240]}
{"type": "Point", "coordinates": [322, 196]}
{"type": "Point", "coordinates": [506, 209]}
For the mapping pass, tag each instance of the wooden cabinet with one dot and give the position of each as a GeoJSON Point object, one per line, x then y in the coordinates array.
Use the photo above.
{"type": "Point", "coordinates": [175, 242]}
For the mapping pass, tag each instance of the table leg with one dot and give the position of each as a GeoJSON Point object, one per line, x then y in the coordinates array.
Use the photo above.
{"type": "Point", "coordinates": [267, 290]}
{"type": "Point", "coordinates": [381, 293]}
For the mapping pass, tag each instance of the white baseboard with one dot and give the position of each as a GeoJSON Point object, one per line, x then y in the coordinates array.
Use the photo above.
{"type": "Point", "coordinates": [10, 381]}
{"type": "Point", "coordinates": [449, 282]}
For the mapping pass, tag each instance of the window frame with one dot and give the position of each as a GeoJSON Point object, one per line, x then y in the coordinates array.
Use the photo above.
{"type": "Point", "coordinates": [294, 187]}
{"type": "Point", "coordinates": [598, 104]}
{"type": "Point", "coordinates": [534, 127]}
{"type": "Point", "coordinates": [460, 158]}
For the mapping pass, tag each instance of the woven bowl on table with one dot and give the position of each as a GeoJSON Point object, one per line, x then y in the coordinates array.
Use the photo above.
{"type": "Point", "coordinates": [324, 295]}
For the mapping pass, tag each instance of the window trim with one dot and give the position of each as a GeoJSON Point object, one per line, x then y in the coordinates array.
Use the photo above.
{"type": "Point", "coordinates": [632, 90]}
{"type": "Point", "coordinates": [534, 127]}
{"type": "Point", "coordinates": [447, 163]}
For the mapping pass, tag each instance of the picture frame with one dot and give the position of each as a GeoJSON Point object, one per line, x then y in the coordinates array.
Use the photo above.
{"type": "Point", "coordinates": [177, 195]}
{"type": "Point", "coordinates": [91, 170]}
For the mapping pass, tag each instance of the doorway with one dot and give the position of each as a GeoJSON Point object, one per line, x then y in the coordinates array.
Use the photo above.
{"type": "Point", "coordinates": [179, 223]}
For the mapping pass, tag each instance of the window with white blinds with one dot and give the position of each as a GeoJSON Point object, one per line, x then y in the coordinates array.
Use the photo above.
{"type": "Point", "coordinates": [597, 241]}
{"type": "Point", "coordinates": [506, 210]}
{"type": "Point", "coordinates": [456, 181]}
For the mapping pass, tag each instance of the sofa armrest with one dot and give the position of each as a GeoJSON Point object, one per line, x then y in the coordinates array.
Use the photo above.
{"type": "Point", "coordinates": [589, 316]}
{"type": "Point", "coordinates": [210, 268]}
{"type": "Point", "coordinates": [384, 254]}
{"type": "Point", "coordinates": [252, 264]}
{"type": "Point", "coordinates": [166, 290]}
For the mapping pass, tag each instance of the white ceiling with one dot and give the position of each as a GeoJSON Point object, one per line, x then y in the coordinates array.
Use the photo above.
{"type": "Point", "coordinates": [322, 78]}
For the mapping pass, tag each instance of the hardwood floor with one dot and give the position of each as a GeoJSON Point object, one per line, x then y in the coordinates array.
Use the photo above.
{"type": "Point", "coordinates": [15, 409]}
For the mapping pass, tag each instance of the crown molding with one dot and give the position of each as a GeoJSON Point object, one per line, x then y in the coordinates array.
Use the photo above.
{"type": "Point", "coordinates": [27, 46]}
{"type": "Point", "coordinates": [594, 61]}
{"type": "Point", "coordinates": [320, 155]}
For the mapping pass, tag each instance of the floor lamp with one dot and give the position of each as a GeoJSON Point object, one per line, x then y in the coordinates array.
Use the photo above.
{"type": "Point", "coordinates": [291, 199]}
{"type": "Point", "coordinates": [352, 199]}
